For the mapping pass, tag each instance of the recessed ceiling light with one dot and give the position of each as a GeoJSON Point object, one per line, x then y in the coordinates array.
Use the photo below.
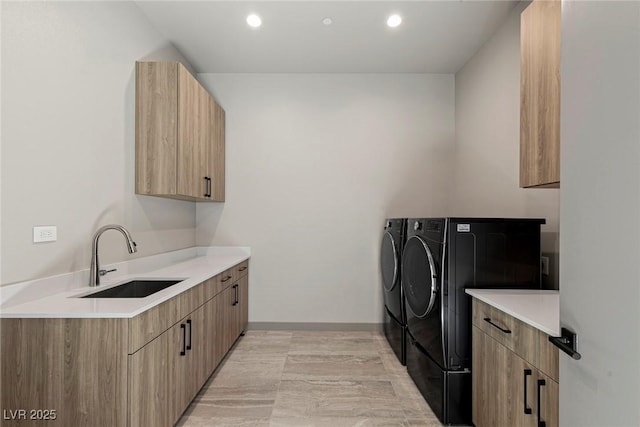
{"type": "Point", "coordinates": [394, 20]}
{"type": "Point", "coordinates": [254, 21]}
{"type": "Point", "coordinates": [327, 21]}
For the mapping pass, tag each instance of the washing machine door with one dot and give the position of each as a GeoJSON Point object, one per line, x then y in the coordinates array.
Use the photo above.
{"type": "Point", "coordinates": [389, 261]}
{"type": "Point", "coordinates": [420, 277]}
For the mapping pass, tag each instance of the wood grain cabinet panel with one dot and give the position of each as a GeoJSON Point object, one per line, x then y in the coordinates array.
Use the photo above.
{"type": "Point", "coordinates": [243, 304]}
{"type": "Point", "coordinates": [217, 152]}
{"type": "Point", "coordinates": [548, 404]}
{"type": "Point", "coordinates": [520, 387]}
{"type": "Point", "coordinates": [179, 384]}
{"type": "Point", "coordinates": [150, 397]}
{"type": "Point", "coordinates": [192, 152]}
{"type": "Point", "coordinates": [540, 94]}
{"type": "Point", "coordinates": [74, 367]}
{"type": "Point", "coordinates": [179, 135]}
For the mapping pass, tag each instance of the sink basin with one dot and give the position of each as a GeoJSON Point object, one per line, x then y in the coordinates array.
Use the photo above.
{"type": "Point", "coordinates": [134, 289]}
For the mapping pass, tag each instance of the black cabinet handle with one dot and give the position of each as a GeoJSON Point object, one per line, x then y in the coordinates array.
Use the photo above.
{"type": "Point", "coordinates": [541, 423]}
{"type": "Point", "coordinates": [488, 320]}
{"type": "Point", "coordinates": [226, 279]}
{"type": "Point", "coordinates": [184, 339]}
{"type": "Point", "coordinates": [235, 287]}
{"type": "Point", "coordinates": [242, 268]}
{"type": "Point", "coordinates": [190, 328]}
{"type": "Point", "coordinates": [527, 372]}
{"type": "Point", "coordinates": [207, 186]}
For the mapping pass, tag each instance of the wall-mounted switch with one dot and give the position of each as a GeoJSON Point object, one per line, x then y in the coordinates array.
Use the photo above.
{"type": "Point", "coordinates": [45, 233]}
{"type": "Point", "coordinates": [544, 265]}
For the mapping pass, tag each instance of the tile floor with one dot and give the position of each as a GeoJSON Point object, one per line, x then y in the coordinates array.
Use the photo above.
{"type": "Point", "coordinates": [297, 379]}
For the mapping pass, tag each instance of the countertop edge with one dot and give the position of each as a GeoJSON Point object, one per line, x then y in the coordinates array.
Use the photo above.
{"type": "Point", "coordinates": [510, 310]}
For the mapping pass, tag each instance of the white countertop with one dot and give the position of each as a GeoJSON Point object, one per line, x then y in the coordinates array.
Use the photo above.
{"type": "Point", "coordinates": [538, 308]}
{"type": "Point", "coordinates": [204, 265]}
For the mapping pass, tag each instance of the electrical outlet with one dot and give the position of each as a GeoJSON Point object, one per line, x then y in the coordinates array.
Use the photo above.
{"type": "Point", "coordinates": [544, 264]}
{"type": "Point", "coordinates": [45, 233]}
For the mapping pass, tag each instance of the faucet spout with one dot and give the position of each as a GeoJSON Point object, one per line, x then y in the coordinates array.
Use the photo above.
{"type": "Point", "coordinates": [94, 271]}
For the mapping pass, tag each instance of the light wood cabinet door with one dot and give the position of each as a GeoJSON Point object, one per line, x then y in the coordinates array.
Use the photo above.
{"type": "Point", "coordinates": [192, 136]}
{"type": "Point", "coordinates": [156, 125]}
{"type": "Point", "coordinates": [149, 397]}
{"type": "Point", "coordinates": [197, 349]}
{"type": "Point", "coordinates": [243, 304]}
{"type": "Point", "coordinates": [211, 335]}
{"type": "Point", "coordinates": [225, 322]}
{"type": "Point", "coordinates": [540, 94]}
{"type": "Point", "coordinates": [490, 381]}
{"type": "Point", "coordinates": [483, 382]}
{"type": "Point", "coordinates": [521, 393]}
{"type": "Point", "coordinates": [548, 403]}
{"type": "Point", "coordinates": [216, 151]}
{"type": "Point", "coordinates": [179, 384]}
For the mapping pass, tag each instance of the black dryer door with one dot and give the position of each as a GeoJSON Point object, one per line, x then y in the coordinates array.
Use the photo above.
{"type": "Point", "coordinates": [422, 294]}
{"type": "Point", "coordinates": [390, 265]}
{"type": "Point", "coordinates": [389, 262]}
{"type": "Point", "coordinates": [420, 281]}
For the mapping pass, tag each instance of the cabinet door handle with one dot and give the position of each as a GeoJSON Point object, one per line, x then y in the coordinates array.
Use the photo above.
{"type": "Point", "coordinates": [527, 372]}
{"type": "Point", "coordinates": [226, 279]}
{"type": "Point", "coordinates": [184, 339]}
{"type": "Point", "coordinates": [488, 320]}
{"type": "Point", "coordinates": [242, 268]}
{"type": "Point", "coordinates": [190, 328]}
{"type": "Point", "coordinates": [235, 288]}
{"type": "Point", "coordinates": [541, 383]}
{"type": "Point", "coordinates": [207, 186]}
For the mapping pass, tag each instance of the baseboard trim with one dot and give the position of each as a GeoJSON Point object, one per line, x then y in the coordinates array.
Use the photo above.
{"type": "Point", "coordinates": [313, 326]}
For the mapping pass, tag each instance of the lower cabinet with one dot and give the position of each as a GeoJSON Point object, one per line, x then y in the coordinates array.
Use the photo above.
{"type": "Point", "coordinates": [142, 371]}
{"type": "Point", "coordinates": [509, 387]}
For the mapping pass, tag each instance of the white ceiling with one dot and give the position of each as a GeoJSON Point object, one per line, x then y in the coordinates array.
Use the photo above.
{"type": "Point", "coordinates": [435, 36]}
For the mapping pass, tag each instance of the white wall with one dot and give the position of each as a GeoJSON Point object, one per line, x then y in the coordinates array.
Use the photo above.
{"type": "Point", "coordinates": [488, 141]}
{"type": "Point", "coordinates": [600, 212]}
{"type": "Point", "coordinates": [68, 137]}
{"type": "Point", "coordinates": [315, 162]}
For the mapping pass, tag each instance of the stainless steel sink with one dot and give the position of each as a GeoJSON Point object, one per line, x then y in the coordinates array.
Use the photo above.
{"type": "Point", "coordinates": [134, 289]}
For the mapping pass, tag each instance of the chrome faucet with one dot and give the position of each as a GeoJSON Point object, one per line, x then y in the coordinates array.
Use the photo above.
{"type": "Point", "coordinates": [94, 271]}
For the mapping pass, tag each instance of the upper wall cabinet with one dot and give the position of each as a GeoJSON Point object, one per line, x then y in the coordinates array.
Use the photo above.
{"type": "Point", "coordinates": [180, 135]}
{"type": "Point", "coordinates": [540, 94]}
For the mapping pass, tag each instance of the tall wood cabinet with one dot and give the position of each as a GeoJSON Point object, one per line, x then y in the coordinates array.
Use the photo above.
{"type": "Point", "coordinates": [514, 371]}
{"type": "Point", "coordinates": [180, 135]}
{"type": "Point", "coordinates": [540, 94]}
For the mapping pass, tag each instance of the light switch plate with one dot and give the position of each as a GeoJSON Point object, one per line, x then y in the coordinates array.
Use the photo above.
{"type": "Point", "coordinates": [45, 233]}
